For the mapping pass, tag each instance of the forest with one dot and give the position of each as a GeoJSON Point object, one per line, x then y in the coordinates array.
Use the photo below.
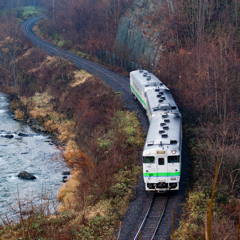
{"type": "Point", "coordinates": [198, 60]}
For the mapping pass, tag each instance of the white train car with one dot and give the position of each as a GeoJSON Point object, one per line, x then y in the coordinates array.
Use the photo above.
{"type": "Point", "coordinates": [140, 82]}
{"type": "Point", "coordinates": [159, 100]}
{"type": "Point", "coordinates": [163, 147]}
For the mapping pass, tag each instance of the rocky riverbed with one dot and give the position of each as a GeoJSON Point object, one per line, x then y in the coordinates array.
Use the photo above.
{"type": "Point", "coordinates": [23, 149]}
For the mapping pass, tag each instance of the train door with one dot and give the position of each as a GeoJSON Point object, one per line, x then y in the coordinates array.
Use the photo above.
{"type": "Point", "coordinates": [161, 168]}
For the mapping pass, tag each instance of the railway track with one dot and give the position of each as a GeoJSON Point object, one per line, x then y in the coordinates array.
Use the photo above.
{"type": "Point", "coordinates": [153, 217]}
{"type": "Point", "coordinates": [119, 83]}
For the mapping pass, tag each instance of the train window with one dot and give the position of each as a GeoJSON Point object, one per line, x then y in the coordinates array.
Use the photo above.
{"type": "Point", "coordinates": [148, 159]}
{"type": "Point", "coordinates": [173, 159]}
{"type": "Point", "coordinates": [161, 161]}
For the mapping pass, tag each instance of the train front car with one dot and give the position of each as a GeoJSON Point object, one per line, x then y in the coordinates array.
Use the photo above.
{"type": "Point", "coordinates": [162, 153]}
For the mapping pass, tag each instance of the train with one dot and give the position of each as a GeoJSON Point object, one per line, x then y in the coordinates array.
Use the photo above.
{"type": "Point", "coordinates": [163, 147]}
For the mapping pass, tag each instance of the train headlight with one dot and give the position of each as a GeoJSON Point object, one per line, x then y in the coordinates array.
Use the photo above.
{"type": "Point", "coordinates": [173, 152]}
{"type": "Point", "coordinates": [148, 153]}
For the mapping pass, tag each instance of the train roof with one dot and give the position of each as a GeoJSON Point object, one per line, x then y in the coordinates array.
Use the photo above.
{"type": "Point", "coordinates": [146, 79]}
{"type": "Point", "coordinates": [160, 100]}
{"type": "Point", "coordinates": [165, 129]}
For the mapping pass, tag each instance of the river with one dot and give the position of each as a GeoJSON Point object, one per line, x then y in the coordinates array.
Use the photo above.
{"type": "Point", "coordinates": [32, 153]}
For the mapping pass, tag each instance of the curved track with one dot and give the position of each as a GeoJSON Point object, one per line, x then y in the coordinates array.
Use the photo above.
{"type": "Point", "coordinates": [138, 207]}
{"type": "Point", "coordinates": [118, 82]}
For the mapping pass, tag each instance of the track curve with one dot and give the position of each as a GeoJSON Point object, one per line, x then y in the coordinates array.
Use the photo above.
{"type": "Point", "coordinates": [139, 206]}
{"type": "Point", "coordinates": [116, 81]}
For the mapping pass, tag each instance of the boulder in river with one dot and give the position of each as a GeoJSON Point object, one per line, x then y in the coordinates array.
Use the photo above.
{"type": "Point", "coordinates": [23, 135]}
{"type": "Point", "coordinates": [65, 179]}
{"type": "Point", "coordinates": [8, 136]}
{"type": "Point", "coordinates": [26, 175]}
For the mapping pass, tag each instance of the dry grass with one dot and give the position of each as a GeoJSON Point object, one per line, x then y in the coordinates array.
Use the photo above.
{"type": "Point", "coordinates": [80, 77]}
{"type": "Point", "coordinates": [18, 114]}
{"type": "Point", "coordinates": [66, 132]}
{"type": "Point", "coordinates": [49, 62]}
{"type": "Point", "coordinates": [67, 193]}
{"type": "Point", "coordinates": [100, 209]}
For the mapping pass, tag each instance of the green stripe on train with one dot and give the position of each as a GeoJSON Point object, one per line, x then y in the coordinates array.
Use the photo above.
{"type": "Point", "coordinates": [166, 174]}
{"type": "Point", "coordinates": [137, 95]}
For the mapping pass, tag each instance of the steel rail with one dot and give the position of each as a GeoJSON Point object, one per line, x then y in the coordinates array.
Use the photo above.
{"type": "Point", "coordinates": [145, 218]}
{"type": "Point", "coordinates": [148, 214]}
{"type": "Point", "coordinates": [117, 82]}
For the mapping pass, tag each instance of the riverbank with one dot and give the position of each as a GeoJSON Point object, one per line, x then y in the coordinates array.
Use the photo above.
{"type": "Point", "coordinates": [22, 149]}
{"type": "Point", "coordinates": [99, 139]}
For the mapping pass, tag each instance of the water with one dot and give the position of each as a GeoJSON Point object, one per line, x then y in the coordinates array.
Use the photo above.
{"type": "Point", "coordinates": [32, 154]}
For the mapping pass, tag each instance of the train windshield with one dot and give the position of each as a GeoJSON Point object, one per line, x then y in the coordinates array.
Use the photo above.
{"type": "Point", "coordinates": [173, 159]}
{"type": "Point", "coordinates": [149, 159]}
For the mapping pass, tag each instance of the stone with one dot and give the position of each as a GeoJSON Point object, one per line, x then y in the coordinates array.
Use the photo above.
{"type": "Point", "coordinates": [66, 173]}
{"type": "Point", "coordinates": [8, 136]}
{"type": "Point", "coordinates": [25, 175]}
{"type": "Point", "coordinates": [136, 34]}
{"type": "Point", "coordinates": [23, 135]}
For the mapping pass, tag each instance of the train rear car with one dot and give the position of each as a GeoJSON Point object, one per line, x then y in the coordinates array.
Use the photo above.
{"type": "Point", "coordinates": [140, 82]}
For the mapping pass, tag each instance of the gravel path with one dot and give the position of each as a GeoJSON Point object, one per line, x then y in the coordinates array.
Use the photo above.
{"type": "Point", "coordinates": [139, 205]}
